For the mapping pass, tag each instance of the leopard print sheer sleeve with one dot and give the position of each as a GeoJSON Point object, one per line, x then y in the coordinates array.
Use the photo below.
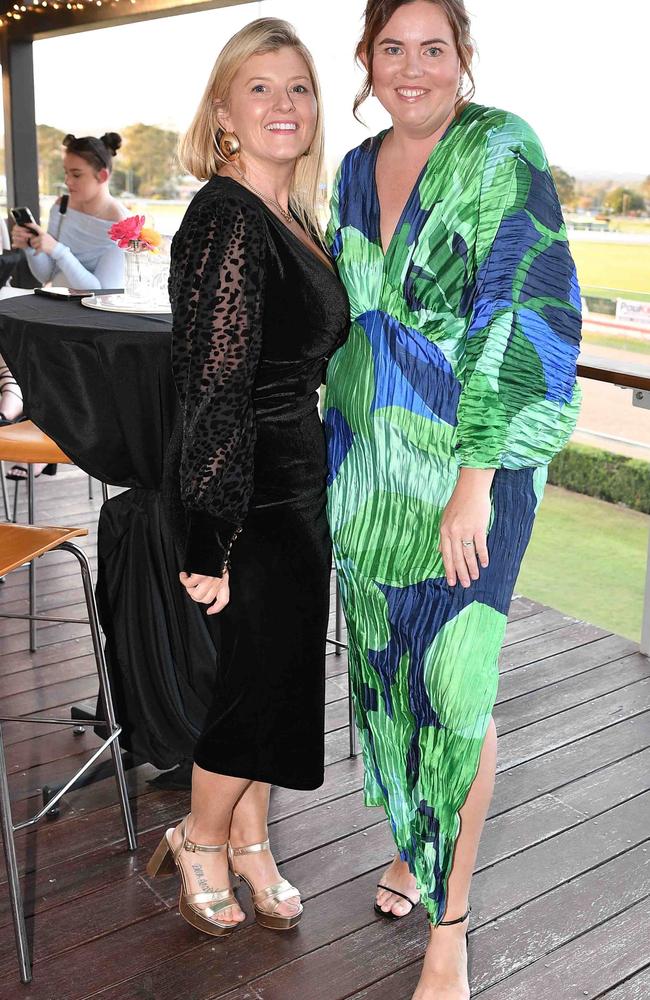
{"type": "Point", "coordinates": [217, 290]}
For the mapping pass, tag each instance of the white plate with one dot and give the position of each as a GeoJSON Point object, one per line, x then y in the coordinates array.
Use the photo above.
{"type": "Point", "coordinates": [120, 304]}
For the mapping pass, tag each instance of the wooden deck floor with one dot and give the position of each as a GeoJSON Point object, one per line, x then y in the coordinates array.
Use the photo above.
{"type": "Point", "coordinates": [561, 897]}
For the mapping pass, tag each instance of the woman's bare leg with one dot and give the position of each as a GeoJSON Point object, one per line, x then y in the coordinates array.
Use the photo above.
{"type": "Point", "coordinates": [11, 397]}
{"type": "Point", "coordinates": [214, 796]}
{"type": "Point", "coordinates": [249, 825]}
{"type": "Point", "coordinates": [444, 975]}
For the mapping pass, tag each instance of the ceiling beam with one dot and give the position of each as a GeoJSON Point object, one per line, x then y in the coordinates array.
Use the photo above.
{"type": "Point", "coordinates": [45, 22]}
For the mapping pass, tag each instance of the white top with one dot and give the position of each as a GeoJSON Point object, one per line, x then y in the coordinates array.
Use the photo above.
{"type": "Point", "coordinates": [84, 257]}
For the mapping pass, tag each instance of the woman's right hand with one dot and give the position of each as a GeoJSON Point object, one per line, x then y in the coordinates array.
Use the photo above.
{"type": "Point", "coordinates": [20, 237]}
{"type": "Point", "coordinates": [212, 590]}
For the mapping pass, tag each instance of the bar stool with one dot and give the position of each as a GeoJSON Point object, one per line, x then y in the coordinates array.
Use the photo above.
{"type": "Point", "coordinates": [5, 497]}
{"type": "Point", "coordinates": [24, 442]}
{"type": "Point", "coordinates": [20, 544]}
{"type": "Point", "coordinates": [19, 443]}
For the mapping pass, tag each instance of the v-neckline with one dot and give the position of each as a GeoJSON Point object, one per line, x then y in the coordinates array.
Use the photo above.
{"type": "Point", "coordinates": [280, 224]}
{"type": "Point", "coordinates": [416, 186]}
{"type": "Point", "coordinates": [295, 236]}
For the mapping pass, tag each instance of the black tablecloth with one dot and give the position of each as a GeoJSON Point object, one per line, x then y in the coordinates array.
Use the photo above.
{"type": "Point", "coordinates": [100, 385]}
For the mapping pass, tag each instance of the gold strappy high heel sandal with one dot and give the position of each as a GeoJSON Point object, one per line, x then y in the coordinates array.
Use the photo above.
{"type": "Point", "coordinates": [192, 905]}
{"type": "Point", "coordinates": [267, 900]}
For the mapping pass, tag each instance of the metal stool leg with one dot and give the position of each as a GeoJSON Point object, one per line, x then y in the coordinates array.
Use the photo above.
{"type": "Point", "coordinates": [31, 517]}
{"type": "Point", "coordinates": [15, 517]}
{"type": "Point", "coordinates": [104, 492]}
{"type": "Point", "coordinates": [105, 688]}
{"type": "Point", "coordinates": [15, 895]}
{"type": "Point", "coordinates": [338, 622]}
{"type": "Point", "coordinates": [5, 495]}
{"type": "Point", "coordinates": [90, 487]}
{"type": "Point", "coordinates": [354, 739]}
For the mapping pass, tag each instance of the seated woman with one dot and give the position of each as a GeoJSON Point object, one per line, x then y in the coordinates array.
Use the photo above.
{"type": "Point", "coordinates": [75, 251]}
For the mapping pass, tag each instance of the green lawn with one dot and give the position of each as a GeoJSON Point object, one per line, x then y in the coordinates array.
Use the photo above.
{"type": "Point", "coordinates": [622, 343]}
{"type": "Point", "coordinates": [587, 558]}
{"type": "Point", "coordinates": [616, 266]}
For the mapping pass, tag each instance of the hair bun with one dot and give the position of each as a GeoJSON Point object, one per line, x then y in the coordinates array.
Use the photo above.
{"type": "Point", "coordinates": [69, 139]}
{"type": "Point", "coordinates": [112, 141]}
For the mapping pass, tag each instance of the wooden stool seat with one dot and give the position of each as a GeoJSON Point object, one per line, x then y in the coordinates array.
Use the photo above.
{"type": "Point", "coordinates": [19, 543]}
{"type": "Point", "coordinates": [24, 442]}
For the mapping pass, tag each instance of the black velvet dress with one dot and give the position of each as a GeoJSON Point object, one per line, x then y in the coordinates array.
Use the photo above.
{"type": "Point", "coordinates": [256, 315]}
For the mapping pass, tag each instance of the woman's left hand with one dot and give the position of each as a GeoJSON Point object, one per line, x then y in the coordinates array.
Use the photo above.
{"type": "Point", "coordinates": [212, 590]}
{"type": "Point", "coordinates": [42, 242]}
{"type": "Point", "coordinates": [463, 529]}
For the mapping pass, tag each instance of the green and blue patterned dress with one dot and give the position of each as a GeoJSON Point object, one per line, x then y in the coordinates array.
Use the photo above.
{"type": "Point", "coordinates": [462, 352]}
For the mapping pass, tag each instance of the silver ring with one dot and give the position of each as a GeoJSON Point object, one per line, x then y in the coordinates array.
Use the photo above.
{"type": "Point", "coordinates": [468, 544]}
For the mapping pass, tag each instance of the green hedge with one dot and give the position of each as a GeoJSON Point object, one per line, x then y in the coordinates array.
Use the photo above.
{"type": "Point", "coordinates": [602, 474]}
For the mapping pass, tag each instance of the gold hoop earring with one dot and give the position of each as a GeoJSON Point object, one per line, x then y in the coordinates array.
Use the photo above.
{"type": "Point", "coordinates": [229, 146]}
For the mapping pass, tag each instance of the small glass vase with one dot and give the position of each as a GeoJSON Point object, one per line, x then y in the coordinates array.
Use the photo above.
{"type": "Point", "coordinates": [136, 283]}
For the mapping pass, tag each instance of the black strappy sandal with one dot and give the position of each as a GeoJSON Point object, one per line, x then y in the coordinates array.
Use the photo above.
{"type": "Point", "coordinates": [6, 381]}
{"type": "Point", "coordinates": [390, 915]}
{"type": "Point", "coordinates": [20, 474]}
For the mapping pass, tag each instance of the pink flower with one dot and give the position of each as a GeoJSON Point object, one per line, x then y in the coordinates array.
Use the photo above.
{"type": "Point", "coordinates": [127, 230]}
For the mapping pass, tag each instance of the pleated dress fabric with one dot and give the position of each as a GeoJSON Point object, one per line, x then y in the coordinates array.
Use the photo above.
{"type": "Point", "coordinates": [256, 316]}
{"type": "Point", "coordinates": [462, 352]}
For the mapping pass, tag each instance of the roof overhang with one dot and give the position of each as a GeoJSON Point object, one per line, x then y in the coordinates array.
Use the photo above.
{"type": "Point", "coordinates": [38, 21]}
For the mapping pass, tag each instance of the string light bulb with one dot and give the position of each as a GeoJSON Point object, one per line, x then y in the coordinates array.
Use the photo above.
{"type": "Point", "coordinates": [17, 10]}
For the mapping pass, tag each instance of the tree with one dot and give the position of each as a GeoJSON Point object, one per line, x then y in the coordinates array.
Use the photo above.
{"type": "Point", "coordinates": [148, 158]}
{"type": "Point", "coordinates": [565, 184]}
{"type": "Point", "coordinates": [50, 158]}
{"type": "Point", "coordinates": [622, 200]}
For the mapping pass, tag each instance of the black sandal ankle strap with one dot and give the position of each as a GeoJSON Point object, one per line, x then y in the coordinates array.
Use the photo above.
{"type": "Point", "coordinates": [459, 920]}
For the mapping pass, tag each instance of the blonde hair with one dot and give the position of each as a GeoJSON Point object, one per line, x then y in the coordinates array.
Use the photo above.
{"type": "Point", "coordinates": [198, 149]}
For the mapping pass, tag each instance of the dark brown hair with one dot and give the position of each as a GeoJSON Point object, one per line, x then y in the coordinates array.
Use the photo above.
{"type": "Point", "coordinates": [378, 14]}
{"type": "Point", "coordinates": [98, 153]}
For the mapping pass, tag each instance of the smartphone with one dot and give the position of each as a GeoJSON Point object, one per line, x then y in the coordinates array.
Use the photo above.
{"type": "Point", "coordinates": [60, 292]}
{"type": "Point", "coordinates": [23, 217]}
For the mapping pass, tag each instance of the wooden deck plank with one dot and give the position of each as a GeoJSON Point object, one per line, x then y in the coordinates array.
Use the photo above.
{"type": "Point", "coordinates": [570, 693]}
{"type": "Point", "coordinates": [637, 987]}
{"type": "Point", "coordinates": [42, 677]}
{"type": "Point", "coordinates": [536, 739]}
{"type": "Point", "coordinates": [539, 674]}
{"type": "Point", "coordinates": [588, 966]}
{"type": "Point", "coordinates": [543, 646]}
{"type": "Point", "coordinates": [525, 780]}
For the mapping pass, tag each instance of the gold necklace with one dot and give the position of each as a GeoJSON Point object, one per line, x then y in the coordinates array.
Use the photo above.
{"type": "Point", "coordinates": [287, 216]}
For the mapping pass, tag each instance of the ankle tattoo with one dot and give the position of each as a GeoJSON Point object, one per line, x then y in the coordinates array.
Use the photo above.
{"type": "Point", "coordinates": [199, 874]}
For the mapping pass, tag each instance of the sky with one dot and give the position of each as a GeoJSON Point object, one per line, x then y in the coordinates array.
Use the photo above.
{"type": "Point", "coordinates": [577, 70]}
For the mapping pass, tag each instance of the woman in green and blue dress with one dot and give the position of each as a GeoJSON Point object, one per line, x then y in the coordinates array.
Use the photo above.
{"type": "Point", "coordinates": [452, 394]}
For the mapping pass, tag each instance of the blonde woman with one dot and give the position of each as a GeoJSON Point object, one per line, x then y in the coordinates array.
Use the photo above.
{"type": "Point", "coordinates": [257, 310]}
